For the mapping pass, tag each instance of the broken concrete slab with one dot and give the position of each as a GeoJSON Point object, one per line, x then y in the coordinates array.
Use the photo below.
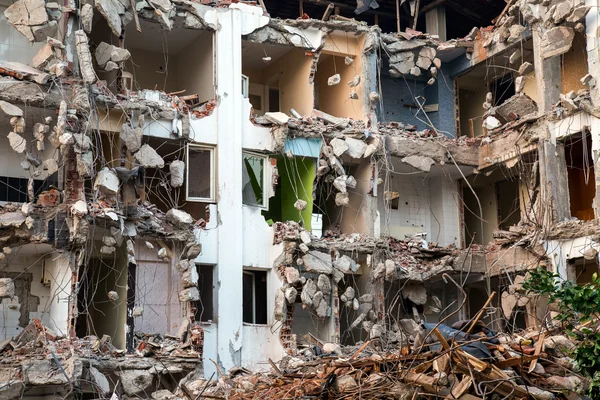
{"type": "Point", "coordinates": [136, 382]}
{"type": "Point", "coordinates": [342, 199]}
{"type": "Point", "coordinates": [308, 291]}
{"type": "Point", "coordinates": [515, 107]}
{"type": "Point", "coordinates": [401, 64]}
{"type": "Point", "coordinates": [26, 15]}
{"type": "Point", "coordinates": [149, 158]}
{"type": "Point", "coordinates": [348, 295]}
{"type": "Point", "coordinates": [334, 80]}
{"type": "Point", "coordinates": [316, 261]}
{"type": "Point", "coordinates": [277, 118]}
{"type": "Point", "coordinates": [305, 237]}
{"type": "Point", "coordinates": [520, 84]}
{"type": "Point", "coordinates": [190, 278]}
{"type": "Point", "coordinates": [340, 183]}
{"type": "Point", "coordinates": [11, 219]}
{"type": "Point", "coordinates": [421, 163]}
{"type": "Point", "coordinates": [86, 16]}
{"type": "Point", "coordinates": [112, 10]}
{"type": "Point", "coordinates": [526, 68]}
{"type": "Point", "coordinates": [556, 41]}
{"type": "Point", "coordinates": [107, 182]}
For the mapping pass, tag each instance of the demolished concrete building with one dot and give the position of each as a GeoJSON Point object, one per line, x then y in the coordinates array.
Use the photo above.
{"type": "Point", "coordinates": [193, 186]}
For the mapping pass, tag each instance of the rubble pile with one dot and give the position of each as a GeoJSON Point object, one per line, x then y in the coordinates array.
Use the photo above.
{"type": "Point", "coordinates": [434, 360]}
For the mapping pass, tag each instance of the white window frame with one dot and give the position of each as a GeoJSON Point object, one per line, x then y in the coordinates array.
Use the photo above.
{"type": "Point", "coordinates": [245, 85]}
{"type": "Point", "coordinates": [213, 180]}
{"type": "Point", "coordinates": [265, 201]}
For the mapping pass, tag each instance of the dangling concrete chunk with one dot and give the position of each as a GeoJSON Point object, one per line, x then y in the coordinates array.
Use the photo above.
{"type": "Point", "coordinates": [107, 182]}
{"type": "Point", "coordinates": [10, 109]}
{"type": "Point", "coordinates": [316, 261]}
{"type": "Point", "coordinates": [17, 142]}
{"type": "Point", "coordinates": [179, 218]}
{"type": "Point", "coordinates": [557, 41]}
{"type": "Point", "coordinates": [149, 158]}
{"type": "Point", "coordinates": [356, 148]}
{"type": "Point", "coordinates": [131, 137]}
{"type": "Point", "coordinates": [86, 65]}
{"type": "Point", "coordinates": [177, 169]}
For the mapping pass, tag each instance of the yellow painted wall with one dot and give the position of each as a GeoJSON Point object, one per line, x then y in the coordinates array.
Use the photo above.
{"type": "Point", "coordinates": [574, 65]}
{"type": "Point", "coordinates": [194, 67]}
{"type": "Point", "coordinates": [530, 88]}
{"type": "Point", "coordinates": [295, 91]}
{"type": "Point", "coordinates": [471, 106]}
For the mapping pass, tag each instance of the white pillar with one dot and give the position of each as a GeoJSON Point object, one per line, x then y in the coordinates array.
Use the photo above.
{"type": "Point", "coordinates": [229, 166]}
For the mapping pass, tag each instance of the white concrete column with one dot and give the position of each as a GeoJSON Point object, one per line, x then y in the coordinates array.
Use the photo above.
{"type": "Point", "coordinates": [593, 51]}
{"type": "Point", "coordinates": [60, 275]}
{"type": "Point", "coordinates": [228, 70]}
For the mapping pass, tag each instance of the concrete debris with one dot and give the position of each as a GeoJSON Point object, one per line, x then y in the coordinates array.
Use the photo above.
{"type": "Point", "coordinates": [112, 10]}
{"type": "Point", "coordinates": [290, 295]}
{"type": "Point", "coordinates": [520, 84]}
{"type": "Point", "coordinates": [30, 18]}
{"type": "Point", "coordinates": [10, 109]}
{"type": "Point", "coordinates": [354, 82]}
{"type": "Point", "coordinates": [345, 384]}
{"type": "Point", "coordinates": [113, 296]}
{"type": "Point", "coordinates": [318, 262]}
{"type": "Point", "coordinates": [588, 80]}
{"type": "Point", "coordinates": [348, 60]}
{"type": "Point", "coordinates": [339, 146]}
{"type": "Point", "coordinates": [280, 308]}
{"type": "Point", "coordinates": [515, 107]}
{"type": "Point", "coordinates": [324, 284]}
{"type": "Point", "coordinates": [300, 205]}
{"type": "Point", "coordinates": [107, 182]}
{"type": "Point", "coordinates": [304, 248]}
{"type": "Point", "coordinates": [190, 294]}
{"type": "Point", "coordinates": [86, 15]}
{"type": "Point", "coordinates": [356, 148]}
{"type": "Point", "coordinates": [107, 250]}
{"type": "Point", "coordinates": [189, 278]}
{"type": "Point", "coordinates": [117, 54]}
{"type": "Point", "coordinates": [415, 71]}
{"type": "Point", "coordinates": [332, 348]}
{"type": "Point", "coordinates": [7, 288]}
{"type": "Point", "coordinates": [308, 291]}
{"type": "Point", "coordinates": [426, 57]}
{"type": "Point", "coordinates": [342, 199]}
{"type": "Point", "coordinates": [17, 142]}
{"type": "Point", "coordinates": [557, 41]}
{"type": "Point", "coordinates": [149, 158]}
{"type": "Point", "coordinates": [345, 264]}
{"type": "Point", "coordinates": [340, 183]}
{"type": "Point", "coordinates": [334, 80]}
{"type": "Point", "coordinates": [86, 66]}
{"type": "Point", "coordinates": [193, 251]}
{"type": "Point", "coordinates": [401, 64]}
{"type": "Point", "coordinates": [131, 137]}
{"type": "Point", "coordinates": [136, 382]}
{"type": "Point", "coordinates": [277, 118]}
{"type": "Point", "coordinates": [177, 170]}
{"type": "Point", "coordinates": [305, 237]}
{"type": "Point", "coordinates": [179, 218]}
{"type": "Point", "coordinates": [491, 123]}
{"type": "Point", "coordinates": [515, 56]}
{"type": "Point", "coordinates": [348, 295]}
{"type": "Point", "coordinates": [419, 162]}
{"type": "Point", "coordinates": [163, 254]}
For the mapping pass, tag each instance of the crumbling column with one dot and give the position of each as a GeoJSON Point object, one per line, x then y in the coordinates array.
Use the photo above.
{"type": "Point", "coordinates": [554, 187]}
{"type": "Point", "coordinates": [548, 78]}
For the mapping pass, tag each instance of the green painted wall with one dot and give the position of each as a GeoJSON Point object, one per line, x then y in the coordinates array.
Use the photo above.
{"type": "Point", "coordinates": [296, 182]}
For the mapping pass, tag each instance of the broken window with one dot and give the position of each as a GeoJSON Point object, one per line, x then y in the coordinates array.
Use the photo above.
{"type": "Point", "coordinates": [205, 307]}
{"type": "Point", "coordinates": [201, 168]}
{"type": "Point", "coordinates": [581, 270]}
{"type": "Point", "coordinates": [581, 177]}
{"type": "Point", "coordinates": [253, 179]}
{"type": "Point", "coordinates": [255, 297]}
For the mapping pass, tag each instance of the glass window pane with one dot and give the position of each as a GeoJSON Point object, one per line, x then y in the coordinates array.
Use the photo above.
{"type": "Point", "coordinates": [252, 179]}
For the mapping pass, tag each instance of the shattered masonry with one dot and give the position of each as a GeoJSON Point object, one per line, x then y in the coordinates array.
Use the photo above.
{"type": "Point", "coordinates": [170, 230]}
